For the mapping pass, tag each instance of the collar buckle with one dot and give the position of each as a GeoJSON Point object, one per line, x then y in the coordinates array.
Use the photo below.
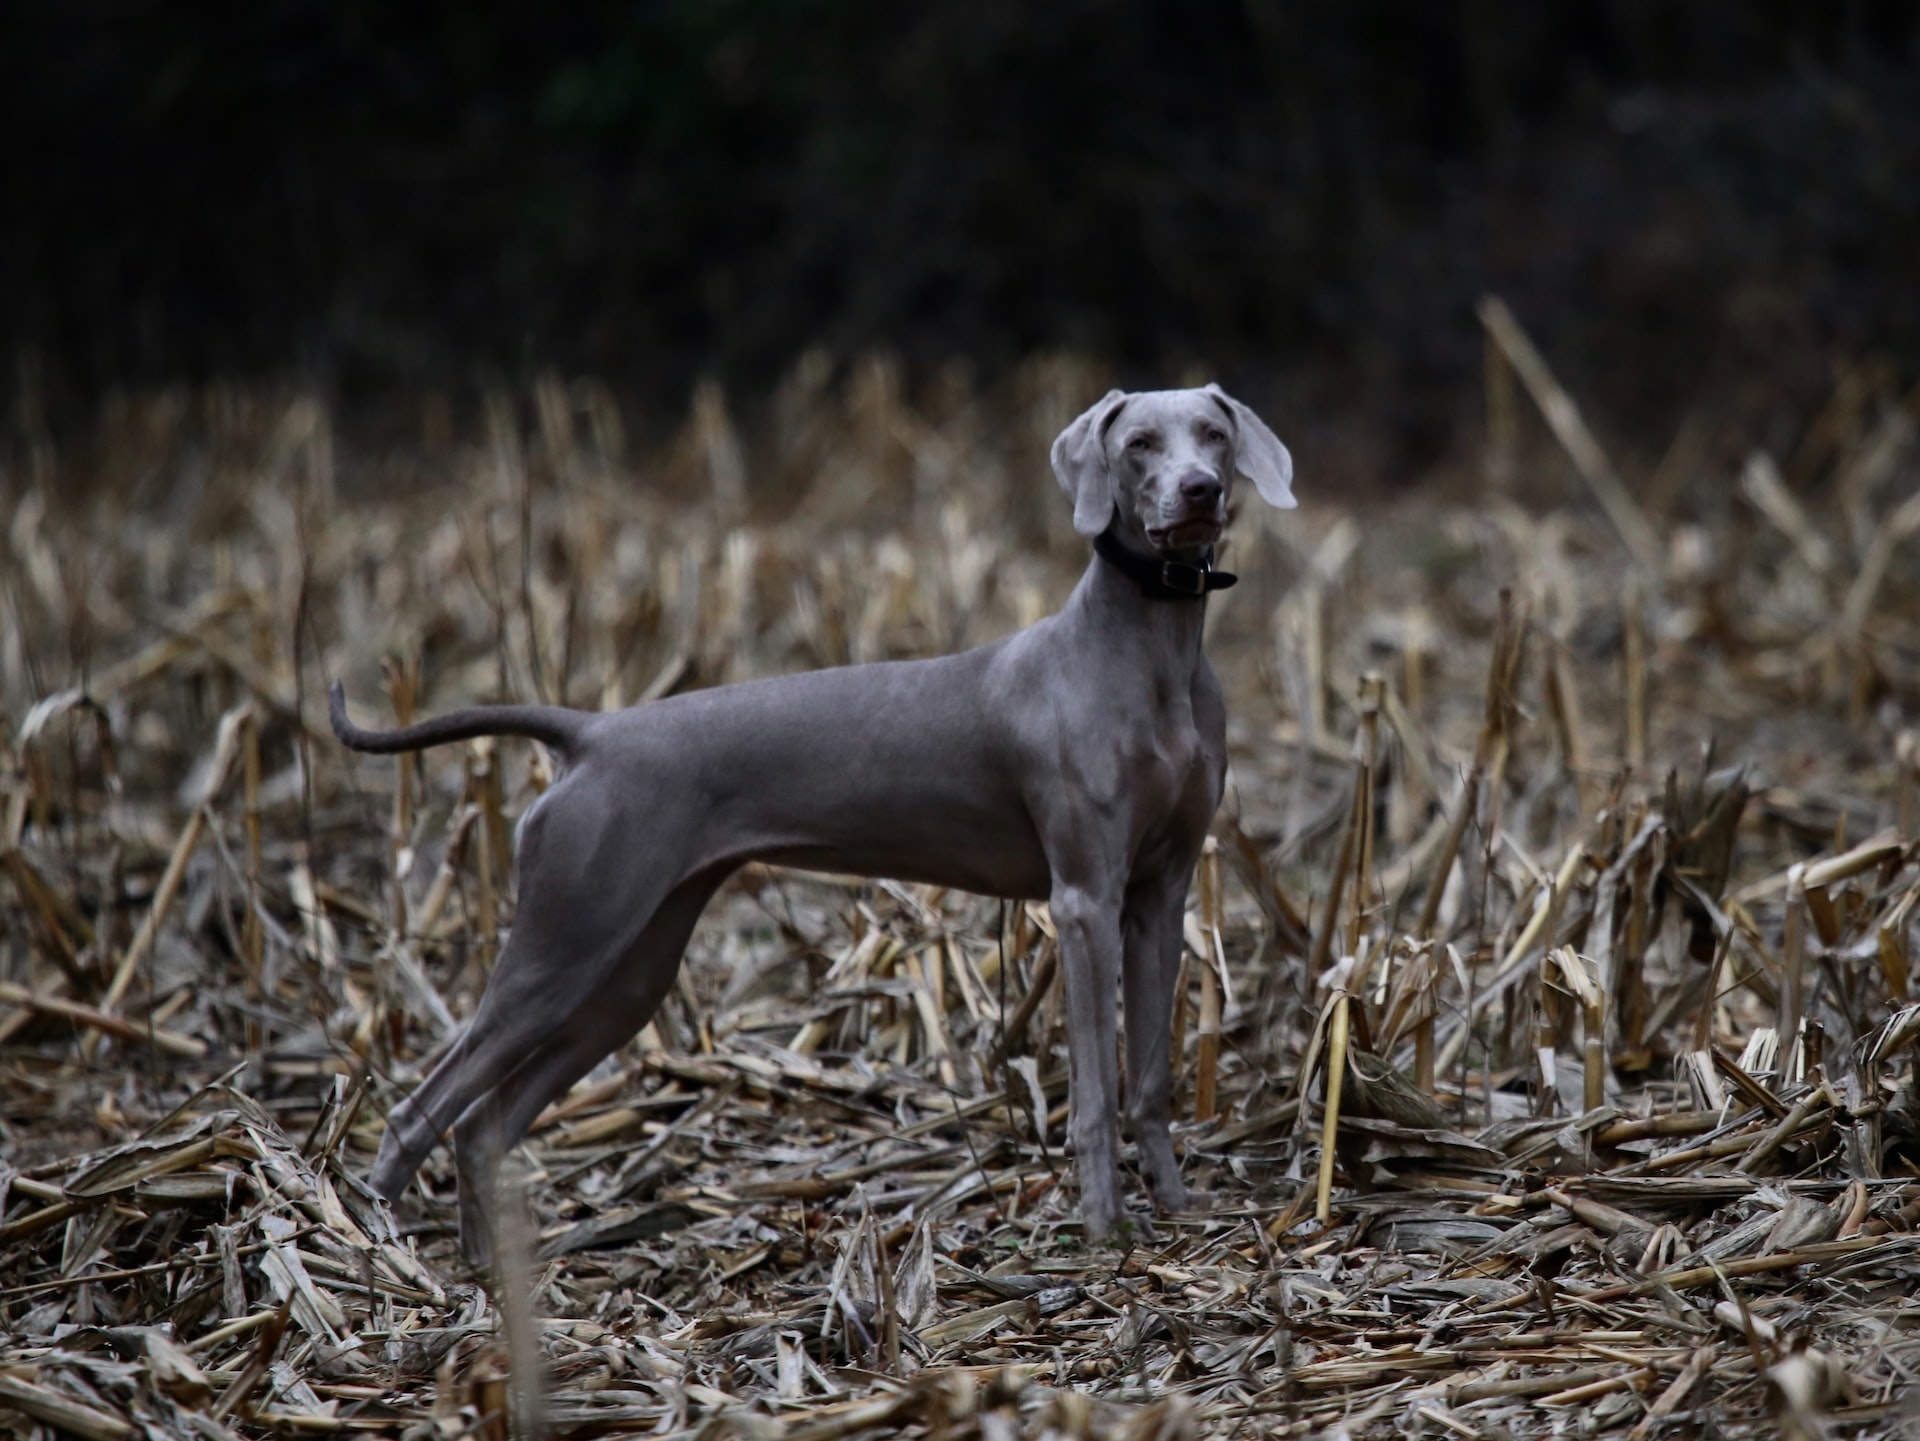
{"type": "Point", "coordinates": [1187, 579]}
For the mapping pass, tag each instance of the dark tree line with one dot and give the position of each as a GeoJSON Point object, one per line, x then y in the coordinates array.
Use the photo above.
{"type": "Point", "coordinates": [1306, 195]}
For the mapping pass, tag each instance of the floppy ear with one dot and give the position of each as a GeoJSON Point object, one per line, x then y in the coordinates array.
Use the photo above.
{"type": "Point", "coordinates": [1080, 463]}
{"type": "Point", "coordinates": [1259, 455]}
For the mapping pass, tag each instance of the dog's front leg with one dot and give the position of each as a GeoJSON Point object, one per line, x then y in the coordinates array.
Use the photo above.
{"type": "Point", "coordinates": [1153, 917]}
{"type": "Point", "coordinates": [1088, 923]}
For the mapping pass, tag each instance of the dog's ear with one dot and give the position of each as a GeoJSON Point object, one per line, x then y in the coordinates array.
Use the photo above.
{"type": "Point", "coordinates": [1080, 463]}
{"type": "Point", "coordinates": [1260, 456]}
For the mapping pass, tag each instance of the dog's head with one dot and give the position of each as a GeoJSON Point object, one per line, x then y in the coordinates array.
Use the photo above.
{"type": "Point", "coordinates": [1163, 462]}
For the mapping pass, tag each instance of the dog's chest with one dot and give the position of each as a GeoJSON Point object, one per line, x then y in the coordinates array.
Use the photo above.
{"type": "Point", "coordinates": [1169, 765]}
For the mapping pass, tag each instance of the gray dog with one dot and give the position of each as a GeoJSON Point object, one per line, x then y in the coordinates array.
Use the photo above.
{"type": "Point", "coordinates": [1078, 761]}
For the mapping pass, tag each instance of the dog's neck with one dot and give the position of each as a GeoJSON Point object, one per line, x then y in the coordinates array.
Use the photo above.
{"type": "Point", "coordinates": [1185, 577]}
{"type": "Point", "coordinates": [1113, 592]}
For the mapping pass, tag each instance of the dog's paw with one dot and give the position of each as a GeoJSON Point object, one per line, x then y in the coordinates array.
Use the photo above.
{"type": "Point", "coordinates": [1186, 1202]}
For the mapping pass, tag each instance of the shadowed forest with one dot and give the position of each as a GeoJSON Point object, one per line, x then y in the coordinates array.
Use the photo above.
{"type": "Point", "coordinates": [1701, 207]}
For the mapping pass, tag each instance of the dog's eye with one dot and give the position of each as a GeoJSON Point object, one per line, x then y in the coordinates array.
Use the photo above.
{"type": "Point", "coordinates": [1142, 441]}
{"type": "Point", "coordinates": [1215, 435]}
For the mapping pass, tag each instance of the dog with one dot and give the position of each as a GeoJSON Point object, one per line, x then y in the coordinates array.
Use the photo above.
{"type": "Point", "coordinates": [1078, 761]}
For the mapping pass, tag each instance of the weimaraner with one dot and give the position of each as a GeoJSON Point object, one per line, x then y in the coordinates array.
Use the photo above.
{"type": "Point", "coordinates": [1078, 761]}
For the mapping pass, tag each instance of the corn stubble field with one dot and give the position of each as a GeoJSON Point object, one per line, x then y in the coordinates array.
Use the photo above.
{"type": "Point", "coordinates": [1547, 1036]}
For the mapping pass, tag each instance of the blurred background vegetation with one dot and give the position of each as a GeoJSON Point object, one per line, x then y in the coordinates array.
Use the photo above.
{"type": "Point", "coordinates": [1698, 208]}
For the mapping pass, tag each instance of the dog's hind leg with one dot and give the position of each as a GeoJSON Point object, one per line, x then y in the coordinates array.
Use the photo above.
{"type": "Point", "coordinates": [576, 923]}
{"type": "Point", "coordinates": [495, 1122]}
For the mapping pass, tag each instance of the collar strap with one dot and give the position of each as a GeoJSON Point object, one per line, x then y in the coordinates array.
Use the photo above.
{"type": "Point", "coordinates": [1163, 579]}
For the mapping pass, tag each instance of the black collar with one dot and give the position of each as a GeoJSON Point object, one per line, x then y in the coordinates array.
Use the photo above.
{"type": "Point", "coordinates": [1162, 579]}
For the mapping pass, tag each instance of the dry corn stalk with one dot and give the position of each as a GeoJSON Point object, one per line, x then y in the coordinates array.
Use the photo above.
{"type": "Point", "coordinates": [1563, 417]}
{"type": "Point", "coordinates": [1207, 1063]}
{"type": "Point", "coordinates": [1336, 1069]}
{"type": "Point", "coordinates": [1573, 970]}
{"type": "Point", "coordinates": [483, 793]}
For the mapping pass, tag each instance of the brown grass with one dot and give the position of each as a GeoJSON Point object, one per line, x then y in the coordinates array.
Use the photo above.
{"type": "Point", "coordinates": [1625, 1133]}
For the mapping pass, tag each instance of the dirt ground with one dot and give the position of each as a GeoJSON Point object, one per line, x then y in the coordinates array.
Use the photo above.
{"type": "Point", "coordinates": [1574, 842]}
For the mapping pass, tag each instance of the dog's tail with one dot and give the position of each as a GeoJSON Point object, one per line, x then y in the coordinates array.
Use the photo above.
{"type": "Point", "coordinates": [551, 725]}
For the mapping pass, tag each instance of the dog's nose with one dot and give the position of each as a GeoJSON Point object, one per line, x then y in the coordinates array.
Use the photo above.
{"type": "Point", "coordinates": [1200, 489]}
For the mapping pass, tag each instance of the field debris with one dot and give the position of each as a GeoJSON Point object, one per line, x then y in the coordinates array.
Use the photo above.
{"type": "Point", "coordinates": [1548, 1026]}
